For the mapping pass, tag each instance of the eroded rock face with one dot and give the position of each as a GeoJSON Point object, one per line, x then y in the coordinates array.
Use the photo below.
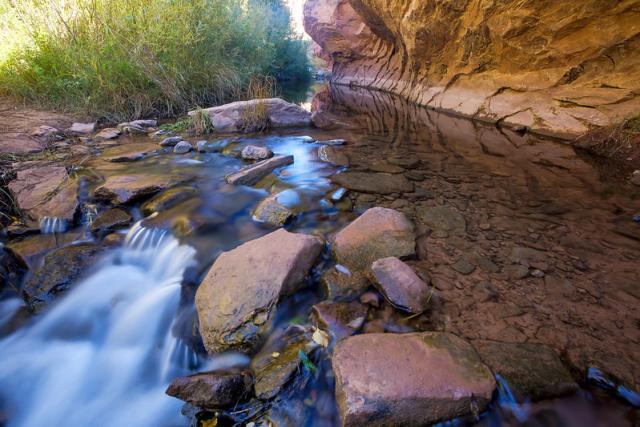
{"type": "Point", "coordinates": [553, 67]}
{"type": "Point", "coordinates": [408, 379]}
{"type": "Point", "coordinates": [238, 296]}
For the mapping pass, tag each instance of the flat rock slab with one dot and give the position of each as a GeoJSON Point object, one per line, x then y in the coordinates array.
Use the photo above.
{"type": "Point", "coordinates": [212, 390]}
{"type": "Point", "coordinates": [408, 379]}
{"type": "Point", "coordinates": [128, 152]}
{"type": "Point", "coordinates": [45, 190]}
{"type": "Point", "coordinates": [237, 298]}
{"type": "Point", "coordinates": [111, 219]}
{"type": "Point", "coordinates": [128, 188]}
{"type": "Point", "coordinates": [107, 133]}
{"type": "Point", "coordinates": [376, 183]}
{"type": "Point", "coordinates": [82, 128]}
{"type": "Point", "coordinates": [32, 248]}
{"type": "Point", "coordinates": [251, 174]}
{"type": "Point", "coordinates": [340, 319]}
{"type": "Point", "coordinates": [278, 113]}
{"type": "Point", "coordinates": [377, 233]}
{"type": "Point", "coordinates": [400, 285]}
{"type": "Point", "coordinates": [443, 220]}
{"type": "Point", "coordinates": [532, 371]}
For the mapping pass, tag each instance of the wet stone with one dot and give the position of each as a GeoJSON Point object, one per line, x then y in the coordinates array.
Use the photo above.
{"type": "Point", "coordinates": [212, 390]}
{"type": "Point", "coordinates": [400, 285]}
{"type": "Point", "coordinates": [213, 146]}
{"type": "Point", "coordinates": [463, 266]}
{"type": "Point", "coordinates": [408, 379]}
{"type": "Point", "coordinates": [237, 299]}
{"type": "Point", "coordinates": [254, 152]}
{"type": "Point", "coordinates": [170, 141]}
{"type": "Point", "coordinates": [167, 199]}
{"type": "Point", "coordinates": [443, 220]}
{"type": "Point", "coordinates": [340, 319]}
{"type": "Point", "coordinates": [251, 174]}
{"type": "Point", "coordinates": [532, 371]}
{"type": "Point", "coordinates": [129, 188]}
{"type": "Point", "coordinates": [32, 248]}
{"type": "Point", "coordinates": [377, 183]}
{"type": "Point", "coordinates": [182, 147]}
{"type": "Point", "coordinates": [340, 282]}
{"type": "Point", "coordinates": [272, 212]}
{"type": "Point", "coordinates": [331, 155]}
{"type": "Point", "coordinates": [111, 219]}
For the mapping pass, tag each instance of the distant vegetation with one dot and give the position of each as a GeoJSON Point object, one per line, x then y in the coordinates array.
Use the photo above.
{"type": "Point", "coordinates": [124, 59]}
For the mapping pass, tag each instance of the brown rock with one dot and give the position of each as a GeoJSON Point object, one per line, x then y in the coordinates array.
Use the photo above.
{"type": "Point", "coordinates": [408, 379]}
{"type": "Point", "coordinates": [111, 219]}
{"type": "Point", "coordinates": [128, 152]}
{"type": "Point", "coordinates": [272, 212]}
{"type": "Point", "coordinates": [237, 298]}
{"type": "Point", "coordinates": [129, 188]}
{"type": "Point", "coordinates": [400, 285]}
{"type": "Point", "coordinates": [377, 183]}
{"type": "Point", "coordinates": [82, 128]}
{"type": "Point", "coordinates": [341, 319]}
{"type": "Point", "coordinates": [377, 233]}
{"type": "Point", "coordinates": [532, 371]}
{"type": "Point", "coordinates": [212, 390]}
{"type": "Point", "coordinates": [32, 248]}
{"type": "Point", "coordinates": [338, 283]}
{"type": "Point", "coordinates": [107, 133]}
{"type": "Point", "coordinates": [167, 199]}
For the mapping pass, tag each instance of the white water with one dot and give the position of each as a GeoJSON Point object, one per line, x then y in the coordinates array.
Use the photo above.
{"type": "Point", "coordinates": [104, 354]}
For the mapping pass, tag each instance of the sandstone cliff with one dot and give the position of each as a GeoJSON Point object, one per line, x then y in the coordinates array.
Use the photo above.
{"type": "Point", "coordinates": [556, 67]}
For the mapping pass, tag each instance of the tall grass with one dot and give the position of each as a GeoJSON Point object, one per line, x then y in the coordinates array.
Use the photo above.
{"type": "Point", "coordinates": [125, 59]}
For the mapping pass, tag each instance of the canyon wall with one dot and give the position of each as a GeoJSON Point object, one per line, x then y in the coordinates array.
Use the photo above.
{"type": "Point", "coordinates": [556, 67]}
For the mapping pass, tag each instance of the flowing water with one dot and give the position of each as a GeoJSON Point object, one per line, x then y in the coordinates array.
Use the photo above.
{"type": "Point", "coordinates": [103, 353]}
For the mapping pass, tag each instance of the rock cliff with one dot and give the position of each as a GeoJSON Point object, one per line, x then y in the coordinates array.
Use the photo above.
{"type": "Point", "coordinates": [555, 67]}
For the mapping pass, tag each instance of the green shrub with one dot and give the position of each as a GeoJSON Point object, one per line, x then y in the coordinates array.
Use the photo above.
{"type": "Point", "coordinates": [125, 59]}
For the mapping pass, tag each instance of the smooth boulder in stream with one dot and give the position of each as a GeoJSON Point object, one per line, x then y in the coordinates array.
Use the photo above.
{"type": "Point", "coordinates": [236, 300]}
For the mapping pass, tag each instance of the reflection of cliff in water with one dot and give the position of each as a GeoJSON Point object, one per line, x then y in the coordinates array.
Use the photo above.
{"type": "Point", "coordinates": [407, 126]}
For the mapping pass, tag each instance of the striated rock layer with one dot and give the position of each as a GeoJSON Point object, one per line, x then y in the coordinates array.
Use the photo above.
{"type": "Point", "coordinates": [557, 68]}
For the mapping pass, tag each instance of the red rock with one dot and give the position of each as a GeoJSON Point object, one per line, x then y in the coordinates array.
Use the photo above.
{"type": "Point", "coordinates": [400, 285]}
{"type": "Point", "coordinates": [408, 379]}
{"type": "Point", "coordinates": [212, 390]}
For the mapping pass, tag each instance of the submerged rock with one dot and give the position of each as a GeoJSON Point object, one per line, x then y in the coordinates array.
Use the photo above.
{"type": "Point", "coordinates": [185, 218]}
{"type": "Point", "coordinates": [213, 146]}
{"type": "Point", "coordinates": [237, 298]}
{"type": "Point", "coordinates": [272, 212]}
{"type": "Point", "coordinates": [107, 133]}
{"type": "Point", "coordinates": [408, 379]}
{"type": "Point", "coordinates": [330, 155]}
{"type": "Point", "coordinates": [340, 319]}
{"type": "Point", "coordinates": [167, 199]}
{"type": "Point", "coordinates": [277, 113]}
{"type": "Point", "coordinates": [251, 174]}
{"type": "Point", "coordinates": [110, 220]}
{"type": "Point", "coordinates": [61, 268]}
{"type": "Point", "coordinates": [128, 152]}
{"type": "Point", "coordinates": [212, 390]}
{"type": "Point", "coordinates": [254, 152]}
{"type": "Point", "coordinates": [129, 188]}
{"type": "Point", "coordinates": [443, 220]}
{"type": "Point", "coordinates": [377, 183]}
{"type": "Point", "coordinates": [377, 233]}
{"type": "Point", "coordinates": [400, 285]}
{"type": "Point", "coordinates": [532, 371]}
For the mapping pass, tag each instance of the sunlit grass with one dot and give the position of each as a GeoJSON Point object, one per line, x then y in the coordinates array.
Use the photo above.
{"type": "Point", "coordinates": [124, 59]}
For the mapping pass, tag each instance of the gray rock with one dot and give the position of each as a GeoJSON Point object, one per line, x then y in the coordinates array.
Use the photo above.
{"type": "Point", "coordinates": [107, 133]}
{"type": "Point", "coordinates": [170, 141]}
{"type": "Point", "coordinates": [82, 128]}
{"type": "Point", "coordinates": [213, 146]}
{"type": "Point", "coordinates": [408, 379]}
{"type": "Point", "coordinates": [400, 285]}
{"type": "Point", "coordinates": [182, 147]}
{"type": "Point", "coordinates": [377, 183]}
{"type": "Point", "coordinates": [236, 300]}
{"type": "Point", "coordinates": [254, 152]}
{"type": "Point", "coordinates": [251, 174]}
{"type": "Point", "coordinates": [532, 371]}
{"type": "Point", "coordinates": [212, 390]}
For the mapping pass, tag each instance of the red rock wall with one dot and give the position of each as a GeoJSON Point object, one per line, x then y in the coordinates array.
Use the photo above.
{"type": "Point", "coordinates": [556, 67]}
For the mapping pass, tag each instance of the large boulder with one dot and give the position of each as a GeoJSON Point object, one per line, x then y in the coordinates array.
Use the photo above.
{"type": "Point", "coordinates": [45, 190]}
{"type": "Point", "coordinates": [212, 390]}
{"type": "Point", "coordinates": [531, 371]}
{"type": "Point", "coordinates": [408, 379]}
{"type": "Point", "coordinates": [277, 113]}
{"type": "Point", "coordinates": [237, 298]}
{"type": "Point", "coordinates": [377, 233]}
{"type": "Point", "coordinates": [400, 285]}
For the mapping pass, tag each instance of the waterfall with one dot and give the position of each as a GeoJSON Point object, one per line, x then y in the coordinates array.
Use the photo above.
{"type": "Point", "coordinates": [51, 225]}
{"type": "Point", "coordinates": [104, 353]}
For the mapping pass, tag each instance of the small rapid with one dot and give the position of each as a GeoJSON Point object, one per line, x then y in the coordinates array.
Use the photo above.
{"type": "Point", "coordinates": [104, 354]}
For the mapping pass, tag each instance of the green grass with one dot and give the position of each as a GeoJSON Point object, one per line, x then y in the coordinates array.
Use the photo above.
{"type": "Point", "coordinates": [126, 59]}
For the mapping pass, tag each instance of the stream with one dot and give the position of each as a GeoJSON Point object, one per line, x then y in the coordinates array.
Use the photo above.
{"type": "Point", "coordinates": [551, 254]}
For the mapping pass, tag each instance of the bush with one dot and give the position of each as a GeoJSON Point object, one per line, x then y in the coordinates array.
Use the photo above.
{"type": "Point", "coordinates": [125, 59]}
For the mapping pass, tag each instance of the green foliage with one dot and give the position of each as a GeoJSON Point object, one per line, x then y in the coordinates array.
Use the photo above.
{"type": "Point", "coordinates": [124, 59]}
